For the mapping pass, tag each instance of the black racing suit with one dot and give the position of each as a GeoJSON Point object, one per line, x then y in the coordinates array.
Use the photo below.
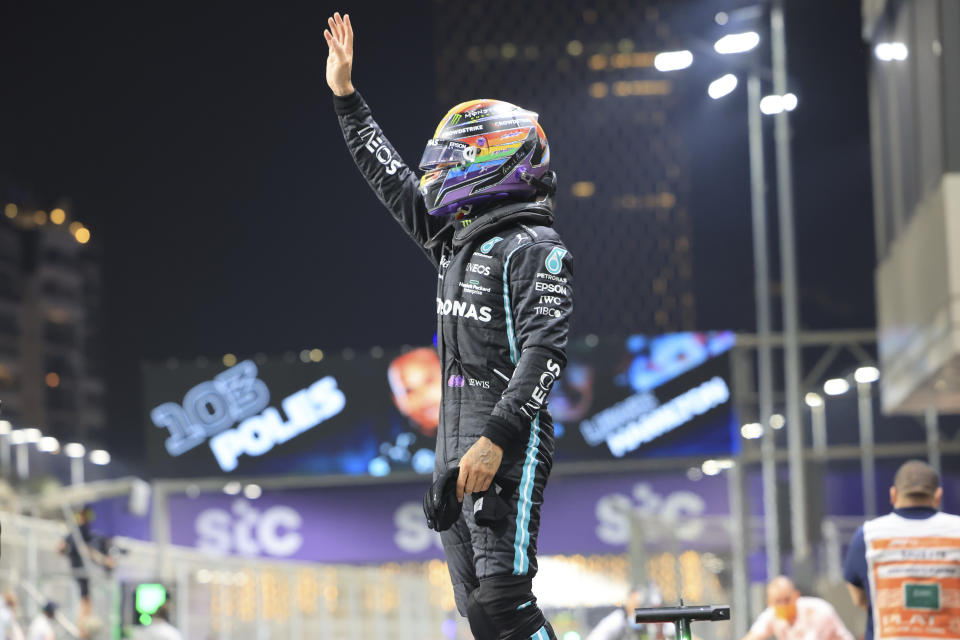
{"type": "Point", "coordinates": [504, 297]}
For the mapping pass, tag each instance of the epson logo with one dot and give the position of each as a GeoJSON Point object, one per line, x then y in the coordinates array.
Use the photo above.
{"type": "Point", "coordinates": [552, 288]}
{"type": "Point", "coordinates": [482, 269]}
{"type": "Point", "coordinates": [463, 310]}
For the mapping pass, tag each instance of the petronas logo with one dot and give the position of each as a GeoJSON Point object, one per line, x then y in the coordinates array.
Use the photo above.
{"type": "Point", "coordinates": [554, 261]}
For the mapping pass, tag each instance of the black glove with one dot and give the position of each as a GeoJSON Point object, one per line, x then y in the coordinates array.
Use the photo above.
{"type": "Point", "coordinates": [440, 504]}
{"type": "Point", "coordinates": [490, 507]}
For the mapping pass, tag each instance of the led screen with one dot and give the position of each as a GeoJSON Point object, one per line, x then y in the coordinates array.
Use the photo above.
{"type": "Point", "coordinates": [377, 413]}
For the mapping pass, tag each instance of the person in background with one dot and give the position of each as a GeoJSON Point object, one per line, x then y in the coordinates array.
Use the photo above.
{"type": "Point", "coordinates": [41, 628]}
{"type": "Point", "coordinates": [790, 616]}
{"type": "Point", "coordinates": [415, 379]}
{"type": "Point", "coordinates": [9, 627]}
{"type": "Point", "coordinates": [619, 624]}
{"type": "Point", "coordinates": [95, 548]}
{"type": "Point", "coordinates": [911, 557]}
{"type": "Point", "coordinates": [160, 627]}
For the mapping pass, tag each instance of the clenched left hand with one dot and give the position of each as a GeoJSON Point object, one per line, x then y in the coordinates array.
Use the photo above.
{"type": "Point", "coordinates": [478, 466]}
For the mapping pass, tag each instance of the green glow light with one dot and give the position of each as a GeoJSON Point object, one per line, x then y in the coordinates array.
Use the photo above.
{"type": "Point", "coordinates": [149, 597]}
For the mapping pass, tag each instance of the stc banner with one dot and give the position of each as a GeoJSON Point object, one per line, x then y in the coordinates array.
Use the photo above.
{"type": "Point", "coordinates": [385, 522]}
{"type": "Point", "coordinates": [376, 413]}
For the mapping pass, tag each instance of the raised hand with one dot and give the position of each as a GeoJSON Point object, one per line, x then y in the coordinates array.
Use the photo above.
{"type": "Point", "coordinates": [339, 39]}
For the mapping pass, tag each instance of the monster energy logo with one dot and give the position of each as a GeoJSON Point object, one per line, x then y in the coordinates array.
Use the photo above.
{"type": "Point", "coordinates": [455, 119]}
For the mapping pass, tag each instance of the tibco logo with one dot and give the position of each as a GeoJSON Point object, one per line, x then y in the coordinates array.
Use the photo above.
{"type": "Point", "coordinates": [464, 310]}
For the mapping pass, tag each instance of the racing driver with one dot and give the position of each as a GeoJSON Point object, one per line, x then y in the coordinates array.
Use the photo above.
{"type": "Point", "coordinates": [482, 213]}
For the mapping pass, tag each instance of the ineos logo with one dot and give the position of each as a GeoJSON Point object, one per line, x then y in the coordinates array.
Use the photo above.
{"type": "Point", "coordinates": [482, 269]}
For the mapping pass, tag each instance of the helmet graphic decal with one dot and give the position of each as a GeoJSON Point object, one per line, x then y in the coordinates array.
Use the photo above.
{"type": "Point", "coordinates": [483, 151]}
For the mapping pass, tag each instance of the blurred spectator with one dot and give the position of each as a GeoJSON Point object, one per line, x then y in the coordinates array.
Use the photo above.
{"type": "Point", "coordinates": [42, 626]}
{"type": "Point", "coordinates": [415, 380]}
{"type": "Point", "coordinates": [789, 616]}
{"type": "Point", "coordinates": [619, 624]}
{"type": "Point", "coordinates": [911, 557]}
{"type": "Point", "coordinates": [160, 627]}
{"type": "Point", "coordinates": [96, 547]}
{"type": "Point", "coordinates": [9, 627]}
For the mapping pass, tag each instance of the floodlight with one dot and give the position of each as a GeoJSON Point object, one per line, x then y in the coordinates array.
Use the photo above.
{"type": "Point", "coordinates": [74, 450]}
{"type": "Point", "coordinates": [771, 105]}
{"type": "Point", "coordinates": [737, 42]}
{"type": "Point", "coordinates": [48, 444]}
{"type": "Point", "coordinates": [890, 51]}
{"type": "Point", "coordinates": [813, 400]}
{"type": "Point", "coordinates": [836, 387]}
{"type": "Point", "coordinates": [722, 86]}
{"type": "Point", "coordinates": [752, 430]}
{"type": "Point", "coordinates": [673, 60]}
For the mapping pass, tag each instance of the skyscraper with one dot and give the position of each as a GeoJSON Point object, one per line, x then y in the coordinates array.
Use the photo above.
{"type": "Point", "coordinates": [588, 70]}
{"type": "Point", "coordinates": [49, 323]}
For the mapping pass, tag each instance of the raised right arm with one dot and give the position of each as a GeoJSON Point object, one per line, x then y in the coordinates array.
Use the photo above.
{"type": "Point", "coordinates": [394, 183]}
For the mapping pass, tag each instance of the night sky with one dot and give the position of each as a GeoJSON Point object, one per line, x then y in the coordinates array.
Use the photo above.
{"type": "Point", "coordinates": [199, 145]}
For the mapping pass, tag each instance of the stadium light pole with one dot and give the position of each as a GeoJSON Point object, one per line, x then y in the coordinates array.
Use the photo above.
{"type": "Point", "coordinates": [931, 420]}
{"type": "Point", "coordinates": [788, 275]}
{"type": "Point", "coordinates": [785, 102]}
{"type": "Point", "coordinates": [21, 453]}
{"type": "Point", "coordinates": [736, 481]}
{"type": "Point", "coordinates": [76, 452]}
{"type": "Point", "coordinates": [761, 260]}
{"type": "Point", "coordinates": [865, 377]}
{"type": "Point", "coordinates": [818, 418]}
{"type": "Point", "coordinates": [5, 429]}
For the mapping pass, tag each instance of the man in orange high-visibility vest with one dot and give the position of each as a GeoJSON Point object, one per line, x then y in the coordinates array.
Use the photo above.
{"type": "Point", "coordinates": [904, 567]}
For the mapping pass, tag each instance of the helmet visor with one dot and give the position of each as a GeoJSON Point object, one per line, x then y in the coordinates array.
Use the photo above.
{"type": "Point", "coordinates": [442, 153]}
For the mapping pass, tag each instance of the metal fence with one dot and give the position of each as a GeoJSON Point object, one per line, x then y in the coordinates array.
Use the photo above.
{"type": "Point", "coordinates": [241, 598]}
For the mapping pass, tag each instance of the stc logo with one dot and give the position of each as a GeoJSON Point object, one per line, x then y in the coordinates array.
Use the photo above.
{"type": "Point", "coordinates": [412, 534]}
{"type": "Point", "coordinates": [684, 509]}
{"type": "Point", "coordinates": [246, 531]}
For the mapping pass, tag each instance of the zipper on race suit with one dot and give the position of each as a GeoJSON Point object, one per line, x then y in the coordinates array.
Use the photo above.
{"type": "Point", "coordinates": [444, 263]}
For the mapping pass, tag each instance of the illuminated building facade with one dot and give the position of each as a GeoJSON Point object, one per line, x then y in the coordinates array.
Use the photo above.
{"type": "Point", "coordinates": [49, 322]}
{"type": "Point", "coordinates": [614, 142]}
